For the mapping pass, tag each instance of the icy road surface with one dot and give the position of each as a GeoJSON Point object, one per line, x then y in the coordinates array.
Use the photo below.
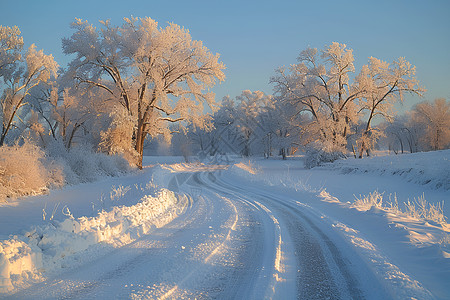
{"type": "Point", "coordinates": [232, 242]}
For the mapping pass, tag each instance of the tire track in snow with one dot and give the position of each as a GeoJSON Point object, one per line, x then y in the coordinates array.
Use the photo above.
{"type": "Point", "coordinates": [365, 271]}
{"type": "Point", "coordinates": [213, 254]}
{"type": "Point", "coordinates": [253, 280]}
{"type": "Point", "coordinates": [311, 245]}
{"type": "Point", "coordinates": [315, 277]}
{"type": "Point", "coordinates": [272, 279]}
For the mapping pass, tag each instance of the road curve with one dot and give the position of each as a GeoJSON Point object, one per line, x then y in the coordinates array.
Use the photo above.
{"type": "Point", "coordinates": [323, 269]}
{"type": "Point", "coordinates": [231, 242]}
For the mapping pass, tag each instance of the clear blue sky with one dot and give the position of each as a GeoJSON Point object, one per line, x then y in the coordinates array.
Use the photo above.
{"type": "Point", "coordinates": [255, 37]}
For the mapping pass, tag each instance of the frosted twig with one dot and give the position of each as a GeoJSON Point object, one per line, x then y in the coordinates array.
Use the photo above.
{"type": "Point", "coordinates": [44, 213]}
{"type": "Point", "coordinates": [66, 211]}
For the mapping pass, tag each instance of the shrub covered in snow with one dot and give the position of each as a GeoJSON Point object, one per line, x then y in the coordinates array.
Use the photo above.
{"type": "Point", "coordinates": [82, 164]}
{"type": "Point", "coordinates": [29, 170]}
{"type": "Point", "coordinates": [24, 170]}
{"type": "Point", "coordinates": [420, 208]}
{"type": "Point", "coordinates": [374, 199]}
{"type": "Point", "coordinates": [248, 167]}
{"type": "Point", "coordinates": [316, 155]}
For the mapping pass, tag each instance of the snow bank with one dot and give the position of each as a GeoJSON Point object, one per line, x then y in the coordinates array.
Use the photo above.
{"type": "Point", "coordinates": [426, 168]}
{"type": "Point", "coordinates": [46, 249]}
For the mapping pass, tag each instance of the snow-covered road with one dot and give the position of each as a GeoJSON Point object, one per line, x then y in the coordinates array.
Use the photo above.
{"type": "Point", "coordinates": [231, 242]}
{"type": "Point", "coordinates": [303, 258]}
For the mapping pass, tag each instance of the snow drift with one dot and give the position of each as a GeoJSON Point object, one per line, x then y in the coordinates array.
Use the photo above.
{"type": "Point", "coordinates": [47, 249]}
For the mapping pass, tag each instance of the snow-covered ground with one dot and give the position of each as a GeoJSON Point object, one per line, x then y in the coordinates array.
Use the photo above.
{"type": "Point", "coordinates": [240, 229]}
{"type": "Point", "coordinates": [424, 168]}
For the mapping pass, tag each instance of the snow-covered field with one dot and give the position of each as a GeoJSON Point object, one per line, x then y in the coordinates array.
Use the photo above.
{"type": "Point", "coordinates": [242, 229]}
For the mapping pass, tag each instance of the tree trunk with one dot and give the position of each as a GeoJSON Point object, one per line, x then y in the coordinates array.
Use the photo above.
{"type": "Point", "coordinates": [363, 145]}
{"type": "Point", "coordinates": [2, 139]}
{"type": "Point", "coordinates": [401, 142]}
{"type": "Point", "coordinates": [141, 155]}
{"type": "Point", "coordinates": [361, 150]}
{"type": "Point", "coordinates": [75, 128]}
{"type": "Point", "coordinates": [283, 153]}
{"type": "Point", "coordinates": [139, 147]}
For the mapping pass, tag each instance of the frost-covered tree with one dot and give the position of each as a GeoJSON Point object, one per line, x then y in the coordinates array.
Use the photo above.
{"type": "Point", "coordinates": [70, 115]}
{"type": "Point", "coordinates": [248, 124]}
{"type": "Point", "coordinates": [224, 137]}
{"type": "Point", "coordinates": [399, 135]}
{"type": "Point", "coordinates": [320, 85]}
{"type": "Point", "coordinates": [325, 88]}
{"type": "Point", "coordinates": [42, 101]}
{"type": "Point", "coordinates": [382, 84]}
{"type": "Point", "coordinates": [159, 75]}
{"type": "Point", "coordinates": [19, 74]}
{"type": "Point", "coordinates": [277, 129]}
{"type": "Point", "coordinates": [11, 45]}
{"type": "Point", "coordinates": [435, 119]}
{"type": "Point", "coordinates": [67, 114]}
{"type": "Point", "coordinates": [250, 105]}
